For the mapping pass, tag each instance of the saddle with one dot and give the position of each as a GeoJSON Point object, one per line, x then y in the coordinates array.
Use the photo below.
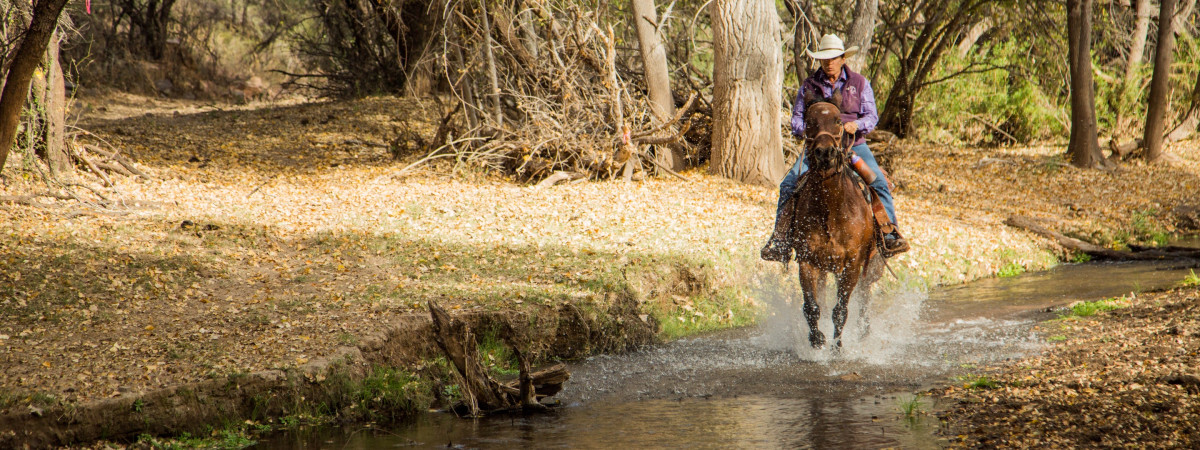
{"type": "Point", "coordinates": [779, 247]}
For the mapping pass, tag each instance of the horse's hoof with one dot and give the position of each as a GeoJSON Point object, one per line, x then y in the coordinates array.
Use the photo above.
{"type": "Point", "coordinates": [816, 339]}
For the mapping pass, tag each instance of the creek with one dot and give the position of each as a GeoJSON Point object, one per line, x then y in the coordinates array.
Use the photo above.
{"type": "Point", "coordinates": [763, 387]}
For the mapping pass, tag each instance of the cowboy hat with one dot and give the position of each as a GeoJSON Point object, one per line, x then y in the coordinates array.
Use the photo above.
{"type": "Point", "coordinates": [831, 47]}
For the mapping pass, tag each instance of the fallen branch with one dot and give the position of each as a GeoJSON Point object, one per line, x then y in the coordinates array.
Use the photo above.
{"type": "Point", "coordinates": [88, 162]}
{"type": "Point", "coordinates": [28, 199]}
{"type": "Point", "coordinates": [557, 177]}
{"type": "Point", "coordinates": [1138, 253]}
{"type": "Point", "coordinates": [115, 156]}
{"type": "Point", "coordinates": [995, 128]}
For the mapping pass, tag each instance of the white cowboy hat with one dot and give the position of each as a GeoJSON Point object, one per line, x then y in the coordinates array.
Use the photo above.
{"type": "Point", "coordinates": [831, 47]}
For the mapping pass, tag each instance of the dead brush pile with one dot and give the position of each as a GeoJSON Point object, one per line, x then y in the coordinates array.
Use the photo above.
{"type": "Point", "coordinates": [546, 89]}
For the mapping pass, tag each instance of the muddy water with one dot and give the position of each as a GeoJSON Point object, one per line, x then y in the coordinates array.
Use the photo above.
{"type": "Point", "coordinates": [764, 388]}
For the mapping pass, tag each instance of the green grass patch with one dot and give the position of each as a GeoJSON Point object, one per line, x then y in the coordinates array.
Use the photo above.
{"type": "Point", "coordinates": [1088, 309]}
{"type": "Point", "coordinates": [496, 355]}
{"type": "Point", "coordinates": [911, 407]}
{"type": "Point", "coordinates": [1191, 279]}
{"type": "Point", "coordinates": [682, 317]}
{"type": "Point", "coordinates": [387, 394]}
{"type": "Point", "coordinates": [979, 382]}
{"type": "Point", "coordinates": [1057, 338]}
{"type": "Point", "coordinates": [1010, 269]}
{"type": "Point", "coordinates": [231, 438]}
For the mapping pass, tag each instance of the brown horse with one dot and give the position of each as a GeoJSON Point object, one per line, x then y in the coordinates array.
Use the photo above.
{"type": "Point", "coordinates": [832, 228]}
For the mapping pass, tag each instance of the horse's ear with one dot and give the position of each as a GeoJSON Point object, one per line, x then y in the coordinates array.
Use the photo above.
{"type": "Point", "coordinates": [836, 99]}
{"type": "Point", "coordinates": [810, 97]}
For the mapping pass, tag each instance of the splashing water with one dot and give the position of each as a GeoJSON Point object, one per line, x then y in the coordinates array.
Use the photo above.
{"type": "Point", "coordinates": [893, 316]}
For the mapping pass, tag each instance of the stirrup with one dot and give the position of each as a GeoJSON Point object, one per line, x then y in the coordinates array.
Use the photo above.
{"type": "Point", "coordinates": [898, 244]}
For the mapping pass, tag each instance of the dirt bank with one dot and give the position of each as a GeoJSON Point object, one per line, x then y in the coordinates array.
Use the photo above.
{"type": "Point", "coordinates": [1125, 378]}
{"type": "Point", "coordinates": [335, 383]}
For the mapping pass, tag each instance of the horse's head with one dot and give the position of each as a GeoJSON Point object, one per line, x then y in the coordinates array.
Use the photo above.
{"type": "Point", "coordinates": [824, 132]}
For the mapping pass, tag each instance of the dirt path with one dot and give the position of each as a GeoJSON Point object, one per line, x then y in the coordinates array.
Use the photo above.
{"type": "Point", "coordinates": [271, 237]}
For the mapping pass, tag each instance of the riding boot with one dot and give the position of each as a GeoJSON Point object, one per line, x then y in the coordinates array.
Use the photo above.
{"type": "Point", "coordinates": [889, 233]}
{"type": "Point", "coordinates": [893, 243]}
{"type": "Point", "coordinates": [778, 248]}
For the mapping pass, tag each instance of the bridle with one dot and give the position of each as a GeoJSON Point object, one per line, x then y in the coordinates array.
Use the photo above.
{"type": "Point", "coordinates": [840, 138]}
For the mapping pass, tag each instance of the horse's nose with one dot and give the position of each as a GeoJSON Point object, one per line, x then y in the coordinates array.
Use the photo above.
{"type": "Point", "coordinates": [824, 143]}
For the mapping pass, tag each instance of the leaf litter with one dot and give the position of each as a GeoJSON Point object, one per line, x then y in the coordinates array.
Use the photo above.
{"type": "Point", "coordinates": [281, 236]}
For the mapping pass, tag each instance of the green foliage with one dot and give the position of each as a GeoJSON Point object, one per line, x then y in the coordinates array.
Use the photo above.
{"type": "Point", "coordinates": [499, 359]}
{"type": "Point", "coordinates": [1081, 257]}
{"type": "Point", "coordinates": [389, 394]}
{"type": "Point", "coordinates": [232, 438]}
{"type": "Point", "coordinates": [1191, 279]}
{"type": "Point", "coordinates": [953, 112]}
{"type": "Point", "coordinates": [1057, 338]}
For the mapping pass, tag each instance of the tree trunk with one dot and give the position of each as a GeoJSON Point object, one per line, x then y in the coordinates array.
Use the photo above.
{"type": "Point", "coordinates": [658, 80]}
{"type": "Point", "coordinates": [898, 111]}
{"type": "Point", "coordinates": [1191, 119]}
{"type": "Point", "coordinates": [861, 32]}
{"type": "Point", "coordinates": [20, 72]}
{"type": "Point", "coordinates": [1179, 25]}
{"type": "Point", "coordinates": [497, 113]}
{"type": "Point", "coordinates": [1138, 47]}
{"type": "Point", "coordinates": [1160, 84]}
{"type": "Point", "coordinates": [1084, 148]}
{"type": "Point", "coordinates": [973, 35]}
{"type": "Point", "coordinates": [54, 117]}
{"type": "Point", "coordinates": [747, 78]}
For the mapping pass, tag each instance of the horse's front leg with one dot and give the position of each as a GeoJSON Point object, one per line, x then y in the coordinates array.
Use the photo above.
{"type": "Point", "coordinates": [810, 283]}
{"type": "Point", "coordinates": [846, 281]}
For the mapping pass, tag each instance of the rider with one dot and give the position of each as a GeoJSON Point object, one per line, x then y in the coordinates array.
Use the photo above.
{"type": "Point", "coordinates": [860, 116]}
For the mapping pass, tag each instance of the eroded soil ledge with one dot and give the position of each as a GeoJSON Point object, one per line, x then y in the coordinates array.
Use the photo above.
{"type": "Point", "coordinates": [565, 331]}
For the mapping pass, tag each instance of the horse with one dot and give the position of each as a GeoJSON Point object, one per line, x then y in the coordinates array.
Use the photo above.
{"type": "Point", "coordinates": [832, 227]}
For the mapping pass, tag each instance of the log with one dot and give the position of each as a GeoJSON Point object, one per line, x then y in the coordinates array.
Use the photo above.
{"type": "Point", "coordinates": [1137, 253]}
{"type": "Point", "coordinates": [1124, 150]}
{"type": "Point", "coordinates": [454, 337]}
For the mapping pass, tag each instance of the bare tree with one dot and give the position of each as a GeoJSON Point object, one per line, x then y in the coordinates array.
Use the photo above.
{"type": "Point", "coordinates": [937, 25]}
{"type": "Point", "coordinates": [1160, 84]}
{"type": "Point", "coordinates": [20, 72]}
{"type": "Point", "coordinates": [1084, 147]}
{"type": "Point", "coordinates": [657, 75]}
{"type": "Point", "coordinates": [747, 79]}
{"type": "Point", "coordinates": [150, 19]}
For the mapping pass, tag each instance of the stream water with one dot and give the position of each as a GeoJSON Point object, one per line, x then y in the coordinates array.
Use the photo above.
{"type": "Point", "coordinates": [763, 387]}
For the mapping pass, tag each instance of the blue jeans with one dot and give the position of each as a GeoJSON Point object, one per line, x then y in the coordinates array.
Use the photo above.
{"type": "Point", "coordinates": [879, 185]}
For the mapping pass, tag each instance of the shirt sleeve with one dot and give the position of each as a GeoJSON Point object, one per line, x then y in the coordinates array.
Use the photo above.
{"type": "Point", "coordinates": [870, 117]}
{"type": "Point", "coordinates": [798, 113]}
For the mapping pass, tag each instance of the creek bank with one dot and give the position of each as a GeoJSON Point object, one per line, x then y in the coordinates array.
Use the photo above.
{"type": "Point", "coordinates": [330, 385]}
{"type": "Point", "coordinates": [1125, 377]}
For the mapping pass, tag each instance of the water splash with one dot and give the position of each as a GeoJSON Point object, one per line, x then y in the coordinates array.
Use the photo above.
{"type": "Point", "coordinates": [893, 316]}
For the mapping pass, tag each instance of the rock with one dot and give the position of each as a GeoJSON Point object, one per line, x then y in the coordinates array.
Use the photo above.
{"type": "Point", "coordinates": [164, 86]}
